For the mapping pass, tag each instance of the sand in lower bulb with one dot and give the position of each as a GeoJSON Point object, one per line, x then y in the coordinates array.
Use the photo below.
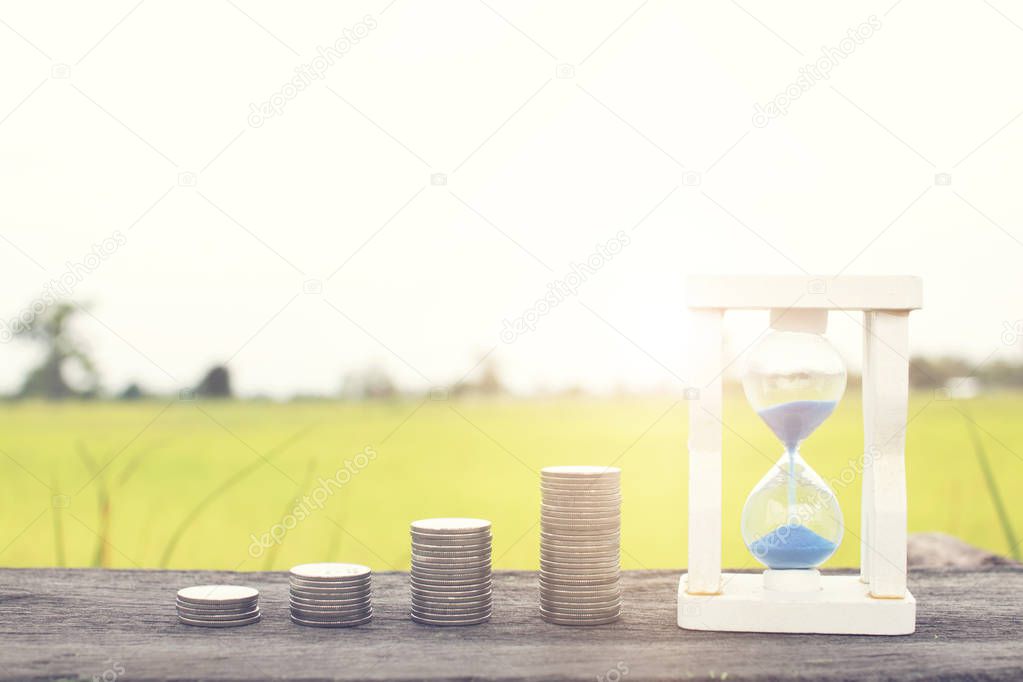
{"type": "Point", "coordinates": [580, 526]}
{"type": "Point", "coordinates": [450, 577]}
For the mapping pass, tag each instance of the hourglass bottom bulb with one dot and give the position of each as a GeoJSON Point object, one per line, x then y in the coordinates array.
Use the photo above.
{"type": "Point", "coordinates": [792, 546]}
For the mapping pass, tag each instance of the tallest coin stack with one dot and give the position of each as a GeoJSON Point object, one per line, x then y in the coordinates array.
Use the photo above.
{"type": "Point", "coordinates": [580, 521]}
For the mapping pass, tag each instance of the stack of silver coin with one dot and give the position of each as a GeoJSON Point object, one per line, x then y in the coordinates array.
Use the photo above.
{"type": "Point", "coordinates": [218, 606]}
{"type": "Point", "coordinates": [331, 595]}
{"type": "Point", "coordinates": [451, 571]}
{"type": "Point", "coordinates": [580, 532]}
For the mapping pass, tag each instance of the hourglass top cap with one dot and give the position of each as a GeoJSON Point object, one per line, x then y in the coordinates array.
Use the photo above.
{"type": "Point", "coordinates": [813, 321]}
{"type": "Point", "coordinates": [764, 292]}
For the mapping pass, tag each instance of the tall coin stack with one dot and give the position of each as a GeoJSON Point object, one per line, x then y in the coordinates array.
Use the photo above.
{"type": "Point", "coordinates": [450, 579]}
{"type": "Point", "coordinates": [580, 529]}
{"type": "Point", "coordinates": [218, 606]}
{"type": "Point", "coordinates": [331, 595]}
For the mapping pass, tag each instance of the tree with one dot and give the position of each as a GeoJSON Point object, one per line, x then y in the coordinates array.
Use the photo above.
{"type": "Point", "coordinates": [216, 383]}
{"type": "Point", "coordinates": [51, 329]}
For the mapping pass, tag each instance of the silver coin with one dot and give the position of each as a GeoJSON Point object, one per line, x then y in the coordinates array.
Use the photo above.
{"type": "Point", "coordinates": [450, 590]}
{"type": "Point", "coordinates": [576, 578]}
{"type": "Point", "coordinates": [559, 582]}
{"type": "Point", "coordinates": [581, 482]}
{"type": "Point", "coordinates": [218, 594]}
{"type": "Point", "coordinates": [331, 616]}
{"type": "Point", "coordinates": [454, 599]}
{"type": "Point", "coordinates": [580, 538]}
{"type": "Point", "coordinates": [578, 489]}
{"type": "Point", "coordinates": [219, 623]}
{"type": "Point", "coordinates": [451, 580]}
{"type": "Point", "coordinates": [213, 610]}
{"type": "Point", "coordinates": [560, 542]}
{"type": "Point", "coordinates": [458, 591]}
{"type": "Point", "coordinates": [339, 610]}
{"type": "Point", "coordinates": [581, 601]}
{"type": "Point", "coordinates": [325, 600]}
{"type": "Point", "coordinates": [331, 572]}
{"type": "Point", "coordinates": [450, 526]}
{"type": "Point", "coordinates": [470, 569]}
{"type": "Point", "coordinates": [445, 623]}
{"type": "Point", "coordinates": [584, 496]}
{"type": "Point", "coordinates": [331, 584]}
{"type": "Point", "coordinates": [456, 543]}
{"type": "Point", "coordinates": [555, 619]}
{"type": "Point", "coordinates": [453, 558]}
{"type": "Point", "coordinates": [588, 513]}
{"type": "Point", "coordinates": [577, 609]}
{"type": "Point", "coordinates": [455, 575]}
{"type": "Point", "coordinates": [548, 566]}
{"type": "Point", "coordinates": [452, 547]}
{"type": "Point", "coordinates": [581, 520]}
{"type": "Point", "coordinates": [218, 617]}
{"type": "Point", "coordinates": [330, 606]}
{"type": "Point", "coordinates": [584, 556]}
{"type": "Point", "coordinates": [573, 471]}
{"type": "Point", "coordinates": [431, 604]}
{"type": "Point", "coordinates": [331, 624]}
{"type": "Point", "coordinates": [603, 591]}
{"type": "Point", "coordinates": [454, 551]}
{"type": "Point", "coordinates": [571, 569]}
{"type": "Point", "coordinates": [296, 593]}
{"type": "Point", "coordinates": [326, 588]}
{"type": "Point", "coordinates": [578, 530]}
{"type": "Point", "coordinates": [601, 497]}
{"type": "Point", "coordinates": [565, 514]}
{"type": "Point", "coordinates": [441, 616]}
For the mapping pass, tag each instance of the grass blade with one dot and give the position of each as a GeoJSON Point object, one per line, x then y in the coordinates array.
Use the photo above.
{"type": "Point", "coordinates": [231, 481]}
{"type": "Point", "coordinates": [271, 554]}
{"type": "Point", "coordinates": [992, 486]}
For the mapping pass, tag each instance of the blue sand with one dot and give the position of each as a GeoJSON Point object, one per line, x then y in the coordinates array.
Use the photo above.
{"type": "Point", "coordinates": [793, 422]}
{"type": "Point", "coordinates": [792, 546]}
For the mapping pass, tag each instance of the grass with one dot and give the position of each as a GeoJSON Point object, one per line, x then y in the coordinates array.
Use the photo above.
{"type": "Point", "coordinates": [191, 484]}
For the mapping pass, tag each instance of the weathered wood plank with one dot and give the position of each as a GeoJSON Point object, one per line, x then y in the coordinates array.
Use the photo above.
{"type": "Point", "coordinates": [72, 623]}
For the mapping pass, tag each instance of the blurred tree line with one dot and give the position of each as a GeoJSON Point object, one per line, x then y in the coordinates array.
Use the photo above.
{"type": "Point", "coordinates": [64, 353]}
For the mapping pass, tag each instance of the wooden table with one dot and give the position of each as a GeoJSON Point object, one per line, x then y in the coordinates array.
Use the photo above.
{"type": "Point", "coordinates": [83, 623]}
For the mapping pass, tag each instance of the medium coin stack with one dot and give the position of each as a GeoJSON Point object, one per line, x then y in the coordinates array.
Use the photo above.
{"type": "Point", "coordinates": [218, 606]}
{"type": "Point", "coordinates": [451, 571]}
{"type": "Point", "coordinates": [580, 528]}
{"type": "Point", "coordinates": [331, 595]}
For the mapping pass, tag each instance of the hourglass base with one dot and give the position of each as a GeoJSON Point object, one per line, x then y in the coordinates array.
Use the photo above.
{"type": "Point", "coordinates": [842, 606]}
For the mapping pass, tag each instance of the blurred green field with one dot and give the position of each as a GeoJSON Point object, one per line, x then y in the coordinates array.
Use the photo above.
{"type": "Point", "coordinates": [163, 463]}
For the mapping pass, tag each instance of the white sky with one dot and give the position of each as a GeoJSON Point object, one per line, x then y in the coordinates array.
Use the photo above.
{"type": "Point", "coordinates": [653, 129]}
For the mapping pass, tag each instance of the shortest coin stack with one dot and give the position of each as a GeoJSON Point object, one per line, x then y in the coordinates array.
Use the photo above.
{"type": "Point", "coordinates": [331, 595]}
{"type": "Point", "coordinates": [451, 571]}
{"type": "Point", "coordinates": [218, 606]}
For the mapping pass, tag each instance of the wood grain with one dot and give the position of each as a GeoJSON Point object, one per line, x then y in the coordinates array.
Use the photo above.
{"type": "Point", "coordinates": [81, 623]}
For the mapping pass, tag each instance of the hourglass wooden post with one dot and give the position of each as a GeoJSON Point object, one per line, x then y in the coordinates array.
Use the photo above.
{"type": "Point", "coordinates": [875, 602]}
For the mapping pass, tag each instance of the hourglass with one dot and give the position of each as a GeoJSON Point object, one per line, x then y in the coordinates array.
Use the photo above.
{"type": "Point", "coordinates": [791, 522]}
{"type": "Point", "coordinates": [793, 379]}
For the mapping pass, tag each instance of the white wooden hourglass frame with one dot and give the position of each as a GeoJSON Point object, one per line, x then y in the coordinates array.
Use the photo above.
{"type": "Point", "coordinates": [876, 602]}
